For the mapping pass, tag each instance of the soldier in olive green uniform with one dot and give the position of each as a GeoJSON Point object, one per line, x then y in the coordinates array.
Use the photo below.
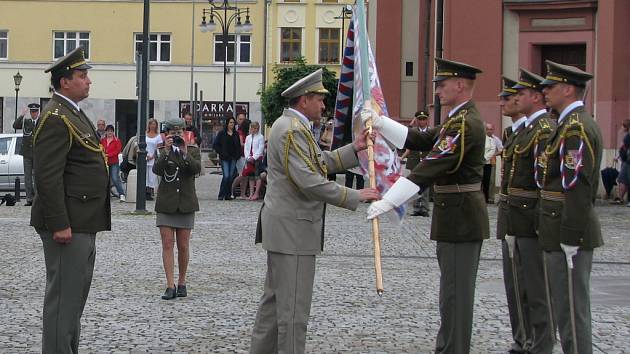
{"type": "Point", "coordinates": [522, 196]}
{"type": "Point", "coordinates": [291, 220]}
{"type": "Point", "coordinates": [460, 216]}
{"type": "Point", "coordinates": [28, 125]}
{"type": "Point", "coordinates": [517, 306]}
{"type": "Point", "coordinates": [421, 204]}
{"type": "Point", "coordinates": [567, 172]}
{"type": "Point", "coordinates": [176, 202]}
{"type": "Point", "coordinates": [72, 201]}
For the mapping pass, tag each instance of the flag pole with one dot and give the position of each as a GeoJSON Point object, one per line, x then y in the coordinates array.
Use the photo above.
{"type": "Point", "coordinates": [367, 104]}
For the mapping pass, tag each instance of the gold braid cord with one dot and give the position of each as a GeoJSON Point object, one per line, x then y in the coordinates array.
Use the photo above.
{"type": "Point", "coordinates": [462, 134]}
{"type": "Point", "coordinates": [72, 130]}
{"type": "Point", "coordinates": [542, 133]}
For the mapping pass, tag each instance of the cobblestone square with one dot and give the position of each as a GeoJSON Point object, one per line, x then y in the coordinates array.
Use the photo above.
{"type": "Point", "coordinates": [124, 312]}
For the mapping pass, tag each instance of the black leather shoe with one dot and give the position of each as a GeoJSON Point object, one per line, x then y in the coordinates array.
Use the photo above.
{"type": "Point", "coordinates": [169, 294]}
{"type": "Point", "coordinates": [29, 203]}
{"type": "Point", "coordinates": [420, 213]}
{"type": "Point", "coordinates": [181, 291]}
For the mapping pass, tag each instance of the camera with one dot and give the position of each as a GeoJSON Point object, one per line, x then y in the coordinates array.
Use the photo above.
{"type": "Point", "coordinates": [178, 141]}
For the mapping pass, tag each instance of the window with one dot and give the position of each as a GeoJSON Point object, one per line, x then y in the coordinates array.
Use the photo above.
{"type": "Point", "coordinates": [243, 45]}
{"type": "Point", "coordinates": [4, 45]}
{"type": "Point", "coordinates": [65, 42]}
{"type": "Point", "coordinates": [291, 44]}
{"type": "Point", "coordinates": [329, 45]}
{"type": "Point", "coordinates": [159, 47]}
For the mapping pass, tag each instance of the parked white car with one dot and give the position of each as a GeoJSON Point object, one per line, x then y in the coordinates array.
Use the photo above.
{"type": "Point", "coordinates": [11, 165]}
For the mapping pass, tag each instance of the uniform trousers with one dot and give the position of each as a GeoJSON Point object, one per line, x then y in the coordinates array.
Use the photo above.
{"type": "Point", "coordinates": [559, 282]}
{"type": "Point", "coordinates": [458, 272]}
{"type": "Point", "coordinates": [540, 324]}
{"type": "Point", "coordinates": [284, 308]}
{"type": "Point", "coordinates": [29, 179]}
{"type": "Point", "coordinates": [520, 336]}
{"type": "Point", "coordinates": [69, 269]}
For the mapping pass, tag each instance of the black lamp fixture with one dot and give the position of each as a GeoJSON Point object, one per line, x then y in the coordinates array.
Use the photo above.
{"type": "Point", "coordinates": [17, 79]}
{"type": "Point", "coordinates": [219, 12]}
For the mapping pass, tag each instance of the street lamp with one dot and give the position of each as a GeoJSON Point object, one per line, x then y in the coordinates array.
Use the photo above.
{"type": "Point", "coordinates": [346, 14]}
{"type": "Point", "coordinates": [17, 79]}
{"type": "Point", "coordinates": [225, 21]}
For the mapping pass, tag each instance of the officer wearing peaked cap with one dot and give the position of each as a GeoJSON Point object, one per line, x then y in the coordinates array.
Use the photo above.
{"type": "Point", "coordinates": [291, 220]}
{"type": "Point", "coordinates": [569, 230]}
{"type": "Point", "coordinates": [72, 201]}
{"type": "Point", "coordinates": [28, 125]}
{"type": "Point", "coordinates": [522, 195]}
{"type": "Point", "coordinates": [512, 272]}
{"type": "Point", "coordinates": [455, 165]}
{"type": "Point", "coordinates": [420, 122]}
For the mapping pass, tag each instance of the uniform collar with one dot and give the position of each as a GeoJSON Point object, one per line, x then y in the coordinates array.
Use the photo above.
{"type": "Point", "coordinates": [452, 111]}
{"type": "Point", "coordinates": [72, 103]}
{"type": "Point", "coordinates": [302, 117]}
{"type": "Point", "coordinates": [534, 116]}
{"type": "Point", "coordinates": [516, 125]}
{"type": "Point", "coordinates": [568, 109]}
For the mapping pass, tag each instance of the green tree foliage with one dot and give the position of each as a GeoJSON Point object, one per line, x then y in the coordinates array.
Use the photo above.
{"type": "Point", "coordinates": [271, 101]}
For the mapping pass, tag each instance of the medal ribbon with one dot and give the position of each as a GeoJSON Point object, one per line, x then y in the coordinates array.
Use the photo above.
{"type": "Point", "coordinates": [578, 165]}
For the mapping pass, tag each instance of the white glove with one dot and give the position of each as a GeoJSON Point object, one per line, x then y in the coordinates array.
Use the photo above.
{"type": "Point", "coordinates": [569, 252]}
{"type": "Point", "coordinates": [394, 132]}
{"type": "Point", "coordinates": [396, 196]}
{"type": "Point", "coordinates": [379, 207]}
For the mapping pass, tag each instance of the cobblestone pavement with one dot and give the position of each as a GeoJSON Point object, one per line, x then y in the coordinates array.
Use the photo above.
{"type": "Point", "coordinates": [124, 312]}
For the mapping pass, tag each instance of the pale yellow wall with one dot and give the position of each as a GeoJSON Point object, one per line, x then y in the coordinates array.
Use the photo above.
{"type": "Point", "coordinates": [111, 25]}
{"type": "Point", "coordinates": [308, 15]}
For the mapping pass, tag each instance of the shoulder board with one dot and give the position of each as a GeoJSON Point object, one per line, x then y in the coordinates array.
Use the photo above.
{"type": "Point", "coordinates": [544, 124]}
{"type": "Point", "coordinates": [573, 120]}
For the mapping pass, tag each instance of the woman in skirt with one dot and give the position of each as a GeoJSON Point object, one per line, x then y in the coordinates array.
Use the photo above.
{"type": "Point", "coordinates": [176, 202]}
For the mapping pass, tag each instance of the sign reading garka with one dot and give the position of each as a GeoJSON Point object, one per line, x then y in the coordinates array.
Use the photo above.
{"type": "Point", "coordinates": [211, 116]}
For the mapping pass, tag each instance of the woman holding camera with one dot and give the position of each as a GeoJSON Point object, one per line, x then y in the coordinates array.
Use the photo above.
{"type": "Point", "coordinates": [228, 145]}
{"type": "Point", "coordinates": [176, 202]}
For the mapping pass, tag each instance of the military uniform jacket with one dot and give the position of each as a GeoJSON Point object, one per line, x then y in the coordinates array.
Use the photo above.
{"type": "Point", "coordinates": [456, 158]}
{"type": "Point", "coordinates": [568, 173]}
{"type": "Point", "coordinates": [291, 218]}
{"type": "Point", "coordinates": [176, 192]}
{"type": "Point", "coordinates": [28, 126]}
{"type": "Point", "coordinates": [520, 185]}
{"type": "Point", "coordinates": [72, 178]}
{"type": "Point", "coordinates": [503, 208]}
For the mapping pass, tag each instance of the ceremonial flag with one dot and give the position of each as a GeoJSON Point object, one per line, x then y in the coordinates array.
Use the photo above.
{"type": "Point", "coordinates": [350, 102]}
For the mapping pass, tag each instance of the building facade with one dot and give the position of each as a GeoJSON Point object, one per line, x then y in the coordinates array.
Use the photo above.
{"type": "Point", "coordinates": [499, 36]}
{"type": "Point", "coordinates": [185, 62]}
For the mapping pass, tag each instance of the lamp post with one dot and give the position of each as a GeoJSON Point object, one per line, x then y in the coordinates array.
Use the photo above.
{"type": "Point", "coordinates": [346, 14]}
{"type": "Point", "coordinates": [219, 12]}
{"type": "Point", "coordinates": [17, 79]}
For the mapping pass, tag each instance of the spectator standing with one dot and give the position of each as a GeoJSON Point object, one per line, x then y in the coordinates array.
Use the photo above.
{"type": "Point", "coordinates": [100, 129]}
{"type": "Point", "coordinates": [28, 126]}
{"type": "Point", "coordinates": [254, 150]}
{"type": "Point", "coordinates": [493, 147]}
{"type": "Point", "coordinates": [176, 203]}
{"type": "Point", "coordinates": [242, 127]}
{"type": "Point", "coordinates": [153, 139]}
{"type": "Point", "coordinates": [317, 128]}
{"type": "Point", "coordinates": [623, 179]}
{"type": "Point", "coordinates": [190, 127]}
{"type": "Point", "coordinates": [227, 145]}
{"type": "Point", "coordinates": [112, 146]}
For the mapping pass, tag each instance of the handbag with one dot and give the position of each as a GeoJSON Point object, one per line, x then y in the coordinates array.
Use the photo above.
{"type": "Point", "coordinates": [249, 169]}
